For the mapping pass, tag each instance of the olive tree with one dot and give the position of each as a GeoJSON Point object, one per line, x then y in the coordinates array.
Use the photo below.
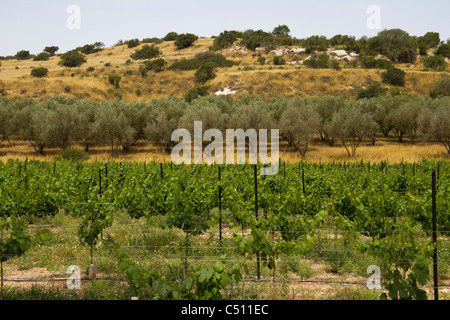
{"type": "Point", "coordinates": [298, 124]}
{"type": "Point", "coordinates": [350, 125]}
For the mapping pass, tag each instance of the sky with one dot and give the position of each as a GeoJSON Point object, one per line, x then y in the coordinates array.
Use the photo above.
{"type": "Point", "coordinates": [34, 24]}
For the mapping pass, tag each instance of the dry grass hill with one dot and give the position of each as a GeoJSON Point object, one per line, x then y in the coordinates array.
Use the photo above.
{"type": "Point", "coordinates": [248, 77]}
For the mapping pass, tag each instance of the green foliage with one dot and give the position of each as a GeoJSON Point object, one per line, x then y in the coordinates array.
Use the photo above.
{"type": "Point", "coordinates": [51, 50]}
{"type": "Point", "coordinates": [436, 63]}
{"type": "Point", "coordinates": [369, 62]}
{"type": "Point", "coordinates": [185, 40]}
{"type": "Point", "coordinates": [39, 72]}
{"type": "Point", "coordinates": [146, 52]}
{"type": "Point", "coordinates": [157, 65]}
{"type": "Point", "coordinates": [278, 61]}
{"type": "Point", "coordinates": [443, 50]}
{"type": "Point", "coordinates": [43, 56]}
{"type": "Point", "coordinates": [262, 60]}
{"type": "Point", "coordinates": [405, 264]}
{"type": "Point", "coordinates": [171, 36]}
{"type": "Point", "coordinates": [441, 88]}
{"type": "Point", "coordinates": [254, 39]}
{"type": "Point", "coordinates": [18, 241]}
{"type": "Point", "coordinates": [373, 90]}
{"type": "Point", "coordinates": [195, 92]}
{"type": "Point", "coordinates": [394, 76]}
{"type": "Point", "coordinates": [132, 43]}
{"type": "Point", "coordinates": [335, 65]}
{"type": "Point", "coordinates": [396, 44]}
{"type": "Point", "coordinates": [114, 79]}
{"type": "Point", "coordinates": [23, 55]}
{"type": "Point", "coordinates": [225, 39]}
{"type": "Point", "coordinates": [318, 62]}
{"type": "Point", "coordinates": [72, 59]}
{"type": "Point", "coordinates": [207, 71]}
{"type": "Point", "coordinates": [217, 59]}
{"type": "Point", "coordinates": [281, 31]}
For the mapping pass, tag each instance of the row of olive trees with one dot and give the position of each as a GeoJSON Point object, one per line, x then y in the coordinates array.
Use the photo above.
{"type": "Point", "coordinates": [63, 122]}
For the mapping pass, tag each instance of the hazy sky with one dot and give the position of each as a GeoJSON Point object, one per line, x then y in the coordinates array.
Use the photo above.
{"type": "Point", "coordinates": [33, 24]}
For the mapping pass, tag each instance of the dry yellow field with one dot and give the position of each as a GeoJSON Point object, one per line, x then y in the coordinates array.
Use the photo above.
{"type": "Point", "coordinates": [248, 77]}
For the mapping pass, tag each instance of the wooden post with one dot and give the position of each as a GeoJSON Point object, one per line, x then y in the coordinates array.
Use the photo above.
{"type": "Point", "coordinates": [220, 208]}
{"type": "Point", "coordinates": [255, 171]}
{"type": "Point", "coordinates": [435, 266]}
{"type": "Point", "coordinates": [303, 180]}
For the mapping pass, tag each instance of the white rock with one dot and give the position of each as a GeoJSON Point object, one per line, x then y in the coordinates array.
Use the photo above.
{"type": "Point", "coordinates": [225, 91]}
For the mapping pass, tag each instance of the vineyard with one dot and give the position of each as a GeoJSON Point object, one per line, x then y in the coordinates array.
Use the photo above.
{"type": "Point", "coordinates": [164, 231]}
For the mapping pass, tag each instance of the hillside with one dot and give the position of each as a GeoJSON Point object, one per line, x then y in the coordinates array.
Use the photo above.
{"type": "Point", "coordinates": [247, 77]}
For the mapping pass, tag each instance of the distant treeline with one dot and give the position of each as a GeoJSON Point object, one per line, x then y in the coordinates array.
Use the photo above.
{"type": "Point", "coordinates": [62, 122]}
{"type": "Point", "coordinates": [396, 44]}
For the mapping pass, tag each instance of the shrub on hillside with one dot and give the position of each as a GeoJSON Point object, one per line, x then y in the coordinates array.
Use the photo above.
{"type": "Point", "coordinates": [205, 72]}
{"type": "Point", "coordinates": [157, 65]}
{"type": "Point", "coordinates": [185, 40]}
{"type": "Point", "coordinates": [51, 50]}
{"type": "Point", "coordinates": [441, 88]}
{"type": "Point", "coordinates": [23, 55]}
{"type": "Point", "coordinates": [373, 89]}
{"type": "Point", "coordinates": [435, 63]}
{"type": "Point", "coordinates": [146, 52]}
{"type": "Point", "coordinates": [171, 36]}
{"type": "Point", "coordinates": [226, 39]}
{"type": "Point", "coordinates": [278, 61]}
{"type": "Point", "coordinates": [318, 62]}
{"type": "Point", "coordinates": [444, 50]}
{"type": "Point", "coordinates": [114, 79]}
{"type": "Point", "coordinates": [192, 64]}
{"type": "Point", "coordinates": [39, 72]}
{"type": "Point", "coordinates": [72, 59]}
{"type": "Point", "coordinates": [195, 92]}
{"type": "Point", "coordinates": [43, 56]}
{"type": "Point", "coordinates": [394, 76]}
{"type": "Point", "coordinates": [132, 43]}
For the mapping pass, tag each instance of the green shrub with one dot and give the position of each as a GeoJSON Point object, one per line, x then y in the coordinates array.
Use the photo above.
{"type": "Point", "coordinates": [318, 62]}
{"type": "Point", "coordinates": [146, 52]}
{"type": "Point", "coordinates": [278, 61]}
{"type": "Point", "coordinates": [152, 40]}
{"type": "Point", "coordinates": [225, 39]}
{"type": "Point", "coordinates": [23, 55]}
{"type": "Point", "coordinates": [132, 43]}
{"type": "Point", "coordinates": [157, 65]}
{"type": "Point", "coordinates": [374, 89]}
{"type": "Point", "coordinates": [205, 72]}
{"type": "Point", "coordinates": [217, 59]}
{"type": "Point", "coordinates": [39, 72]}
{"type": "Point", "coordinates": [114, 79]}
{"type": "Point", "coordinates": [435, 63]}
{"type": "Point", "coordinates": [441, 88]}
{"type": "Point", "coordinates": [335, 65]}
{"type": "Point", "coordinates": [42, 57]}
{"type": "Point", "coordinates": [171, 36]}
{"type": "Point", "coordinates": [72, 59]}
{"type": "Point", "coordinates": [444, 50]}
{"type": "Point", "coordinates": [262, 60]}
{"type": "Point", "coordinates": [185, 40]}
{"type": "Point", "coordinates": [73, 154]}
{"type": "Point", "coordinates": [90, 69]}
{"type": "Point", "coordinates": [394, 76]}
{"type": "Point", "coordinates": [254, 39]}
{"type": "Point", "coordinates": [196, 92]}
{"type": "Point", "coordinates": [3, 92]}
